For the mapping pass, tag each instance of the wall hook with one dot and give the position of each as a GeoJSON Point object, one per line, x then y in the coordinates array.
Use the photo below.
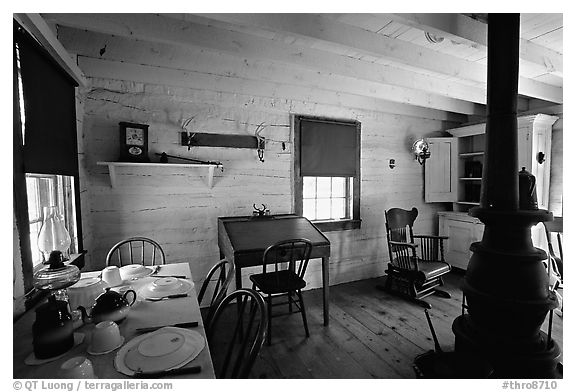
{"type": "Point", "coordinates": [188, 139]}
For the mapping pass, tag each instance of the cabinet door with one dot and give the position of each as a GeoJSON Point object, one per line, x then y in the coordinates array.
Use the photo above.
{"type": "Point", "coordinates": [441, 170]}
{"type": "Point", "coordinates": [461, 234]}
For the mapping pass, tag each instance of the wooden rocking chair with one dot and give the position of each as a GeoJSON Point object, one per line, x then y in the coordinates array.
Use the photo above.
{"type": "Point", "coordinates": [409, 274]}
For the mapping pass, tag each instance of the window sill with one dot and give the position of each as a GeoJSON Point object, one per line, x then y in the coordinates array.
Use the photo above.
{"type": "Point", "coordinates": [347, 224]}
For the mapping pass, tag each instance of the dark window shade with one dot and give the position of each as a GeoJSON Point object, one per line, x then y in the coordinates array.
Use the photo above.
{"type": "Point", "coordinates": [328, 149]}
{"type": "Point", "coordinates": [49, 109]}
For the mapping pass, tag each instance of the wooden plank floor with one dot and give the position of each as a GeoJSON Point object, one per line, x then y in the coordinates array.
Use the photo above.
{"type": "Point", "coordinates": [371, 334]}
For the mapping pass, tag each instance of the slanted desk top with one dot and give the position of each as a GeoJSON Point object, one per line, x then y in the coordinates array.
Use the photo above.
{"type": "Point", "coordinates": [243, 240]}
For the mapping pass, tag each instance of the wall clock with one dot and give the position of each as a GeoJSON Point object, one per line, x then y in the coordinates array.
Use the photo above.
{"type": "Point", "coordinates": [133, 142]}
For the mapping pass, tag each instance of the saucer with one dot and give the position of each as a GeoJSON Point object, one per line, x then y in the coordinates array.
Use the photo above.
{"type": "Point", "coordinates": [33, 361]}
{"type": "Point", "coordinates": [108, 351]}
{"type": "Point", "coordinates": [163, 287]}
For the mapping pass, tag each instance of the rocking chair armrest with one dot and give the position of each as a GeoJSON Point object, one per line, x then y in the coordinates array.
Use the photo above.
{"type": "Point", "coordinates": [436, 237]}
{"type": "Point", "coordinates": [407, 244]}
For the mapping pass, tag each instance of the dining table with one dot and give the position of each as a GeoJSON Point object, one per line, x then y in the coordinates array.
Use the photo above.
{"type": "Point", "coordinates": [243, 240]}
{"type": "Point", "coordinates": [142, 314]}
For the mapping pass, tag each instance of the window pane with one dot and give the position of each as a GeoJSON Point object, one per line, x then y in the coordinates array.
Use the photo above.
{"type": "Point", "coordinates": [323, 186]}
{"type": "Point", "coordinates": [338, 186]}
{"type": "Point", "coordinates": [309, 209]}
{"type": "Point", "coordinates": [339, 208]}
{"type": "Point", "coordinates": [34, 212]}
{"type": "Point", "coordinates": [309, 189]}
{"type": "Point", "coordinates": [34, 231]}
{"type": "Point", "coordinates": [323, 209]}
{"type": "Point", "coordinates": [45, 191]}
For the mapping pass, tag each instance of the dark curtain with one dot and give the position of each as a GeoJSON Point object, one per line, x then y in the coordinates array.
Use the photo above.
{"type": "Point", "coordinates": [49, 109]}
{"type": "Point", "coordinates": [328, 148]}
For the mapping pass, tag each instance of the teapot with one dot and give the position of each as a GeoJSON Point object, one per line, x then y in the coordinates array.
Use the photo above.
{"type": "Point", "coordinates": [53, 332]}
{"type": "Point", "coordinates": [109, 305]}
{"type": "Point", "coordinates": [528, 199]}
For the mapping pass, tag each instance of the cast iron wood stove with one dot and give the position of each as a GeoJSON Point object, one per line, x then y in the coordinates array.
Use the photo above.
{"type": "Point", "coordinates": [506, 285]}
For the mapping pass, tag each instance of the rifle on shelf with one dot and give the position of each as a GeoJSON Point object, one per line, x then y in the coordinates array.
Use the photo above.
{"type": "Point", "coordinates": [164, 159]}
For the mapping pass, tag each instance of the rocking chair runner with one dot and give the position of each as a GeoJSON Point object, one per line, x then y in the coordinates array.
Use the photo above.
{"type": "Point", "coordinates": [411, 275]}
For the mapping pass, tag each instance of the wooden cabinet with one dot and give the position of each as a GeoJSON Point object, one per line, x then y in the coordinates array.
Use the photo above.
{"type": "Point", "coordinates": [461, 230]}
{"type": "Point", "coordinates": [440, 170]}
{"type": "Point", "coordinates": [453, 173]}
{"type": "Point", "coordinates": [456, 175]}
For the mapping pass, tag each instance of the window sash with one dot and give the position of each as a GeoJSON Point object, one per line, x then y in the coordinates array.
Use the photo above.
{"type": "Point", "coordinates": [49, 190]}
{"type": "Point", "coordinates": [330, 198]}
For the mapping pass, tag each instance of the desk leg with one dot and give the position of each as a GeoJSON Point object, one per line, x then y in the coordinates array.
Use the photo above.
{"type": "Point", "coordinates": [326, 288]}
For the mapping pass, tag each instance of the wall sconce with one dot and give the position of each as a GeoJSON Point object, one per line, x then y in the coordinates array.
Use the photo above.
{"type": "Point", "coordinates": [421, 150]}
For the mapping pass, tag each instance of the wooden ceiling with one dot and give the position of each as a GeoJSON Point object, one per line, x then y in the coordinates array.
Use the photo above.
{"type": "Point", "coordinates": [435, 61]}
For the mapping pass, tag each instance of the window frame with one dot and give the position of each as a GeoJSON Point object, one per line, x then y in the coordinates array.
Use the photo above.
{"type": "Point", "coordinates": [298, 181]}
{"type": "Point", "coordinates": [20, 194]}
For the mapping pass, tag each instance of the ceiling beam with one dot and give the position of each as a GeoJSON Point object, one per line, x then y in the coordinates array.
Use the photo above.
{"type": "Point", "coordinates": [160, 29]}
{"type": "Point", "coordinates": [35, 25]}
{"type": "Point", "coordinates": [320, 28]}
{"type": "Point", "coordinates": [104, 46]}
{"type": "Point", "coordinates": [463, 29]}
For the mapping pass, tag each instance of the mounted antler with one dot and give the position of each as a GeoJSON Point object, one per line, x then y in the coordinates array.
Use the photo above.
{"type": "Point", "coordinates": [262, 211]}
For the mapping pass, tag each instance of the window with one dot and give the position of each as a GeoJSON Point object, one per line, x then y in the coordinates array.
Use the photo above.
{"type": "Point", "coordinates": [45, 159]}
{"type": "Point", "coordinates": [45, 191]}
{"type": "Point", "coordinates": [327, 198]}
{"type": "Point", "coordinates": [327, 172]}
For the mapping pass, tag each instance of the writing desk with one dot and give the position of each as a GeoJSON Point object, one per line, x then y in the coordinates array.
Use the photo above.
{"type": "Point", "coordinates": [243, 240]}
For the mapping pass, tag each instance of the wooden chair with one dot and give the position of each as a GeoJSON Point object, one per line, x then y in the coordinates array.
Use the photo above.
{"type": "Point", "coordinates": [283, 268]}
{"type": "Point", "coordinates": [136, 250]}
{"type": "Point", "coordinates": [243, 339]}
{"type": "Point", "coordinates": [555, 228]}
{"type": "Point", "coordinates": [224, 272]}
{"type": "Point", "coordinates": [409, 274]}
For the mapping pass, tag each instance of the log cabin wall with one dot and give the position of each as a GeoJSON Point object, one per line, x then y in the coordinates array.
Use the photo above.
{"type": "Point", "coordinates": [163, 85]}
{"type": "Point", "coordinates": [556, 167]}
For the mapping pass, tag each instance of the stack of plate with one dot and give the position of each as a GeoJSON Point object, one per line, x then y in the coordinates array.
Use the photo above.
{"type": "Point", "coordinates": [135, 271]}
{"type": "Point", "coordinates": [163, 287]}
{"type": "Point", "coordinates": [165, 349]}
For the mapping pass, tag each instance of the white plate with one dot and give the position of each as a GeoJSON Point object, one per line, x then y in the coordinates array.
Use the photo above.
{"type": "Point", "coordinates": [135, 271]}
{"type": "Point", "coordinates": [165, 349]}
{"type": "Point", "coordinates": [163, 287]}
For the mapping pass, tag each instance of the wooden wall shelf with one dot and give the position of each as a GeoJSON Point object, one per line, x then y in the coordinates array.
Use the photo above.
{"type": "Point", "coordinates": [113, 165]}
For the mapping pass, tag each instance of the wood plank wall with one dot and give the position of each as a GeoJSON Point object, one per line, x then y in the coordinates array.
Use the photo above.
{"type": "Point", "coordinates": [136, 82]}
{"type": "Point", "coordinates": [556, 167]}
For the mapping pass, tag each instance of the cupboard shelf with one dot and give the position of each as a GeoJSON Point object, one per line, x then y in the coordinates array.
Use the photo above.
{"type": "Point", "coordinates": [470, 178]}
{"type": "Point", "coordinates": [113, 165]}
{"type": "Point", "coordinates": [469, 203]}
{"type": "Point", "coordinates": [471, 154]}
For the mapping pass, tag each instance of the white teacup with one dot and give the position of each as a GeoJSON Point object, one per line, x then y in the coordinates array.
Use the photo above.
{"type": "Point", "coordinates": [77, 367]}
{"type": "Point", "coordinates": [105, 337]}
{"type": "Point", "coordinates": [111, 275]}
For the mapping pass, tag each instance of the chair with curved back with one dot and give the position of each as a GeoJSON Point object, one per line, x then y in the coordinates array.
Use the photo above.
{"type": "Point", "coordinates": [136, 250]}
{"type": "Point", "coordinates": [411, 273]}
{"type": "Point", "coordinates": [287, 261]}
{"type": "Point", "coordinates": [554, 233]}
{"type": "Point", "coordinates": [223, 272]}
{"type": "Point", "coordinates": [243, 338]}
